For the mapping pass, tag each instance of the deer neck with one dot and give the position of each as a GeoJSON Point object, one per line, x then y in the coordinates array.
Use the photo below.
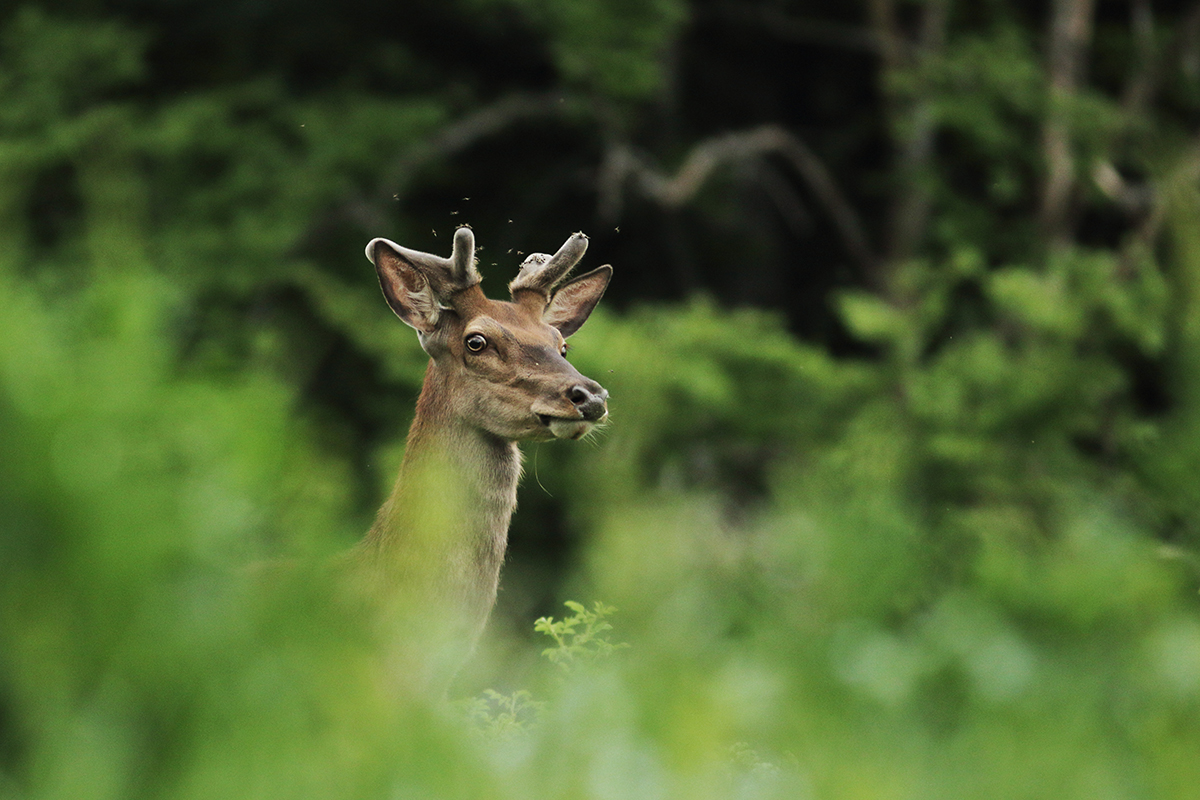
{"type": "Point", "coordinates": [449, 512]}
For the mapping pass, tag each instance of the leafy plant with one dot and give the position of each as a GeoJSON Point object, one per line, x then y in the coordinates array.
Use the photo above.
{"type": "Point", "coordinates": [580, 638]}
{"type": "Point", "coordinates": [500, 717]}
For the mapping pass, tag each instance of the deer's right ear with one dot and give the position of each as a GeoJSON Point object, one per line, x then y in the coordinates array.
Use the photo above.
{"type": "Point", "coordinates": [406, 290]}
{"type": "Point", "coordinates": [574, 301]}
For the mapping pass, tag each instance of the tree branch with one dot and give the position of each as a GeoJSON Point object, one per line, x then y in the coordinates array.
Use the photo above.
{"type": "Point", "coordinates": [1070, 36]}
{"type": "Point", "coordinates": [1185, 173]}
{"type": "Point", "coordinates": [1143, 78]}
{"type": "Point", "coordinates": [467, 131]}
{"type": "Point", "coordinates": [886, 32]}
{"type": "Point", "coordinates": [367, 211]}
{"type": "Point", "coordinates": [621, 167]}
{"type": "Point", "coordinates": [909, 214]}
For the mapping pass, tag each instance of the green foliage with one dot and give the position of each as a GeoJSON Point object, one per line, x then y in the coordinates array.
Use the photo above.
{"type": "Point", "coordinates": [54, 69]}
{"type": "Point", "coordinates": [580, 638]}
{"type": "Point", "coordinates": [960, 563]}
{"type": "Point", "coordinates": [502, 717]}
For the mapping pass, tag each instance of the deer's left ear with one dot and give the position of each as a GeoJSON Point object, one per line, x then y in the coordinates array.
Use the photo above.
{"type": "Point", "coordinates": [574, 301]}
{"type": "Point", "coordinates": [405, 287]}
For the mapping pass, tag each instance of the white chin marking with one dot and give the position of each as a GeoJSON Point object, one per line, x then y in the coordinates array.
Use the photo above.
{"type": "Point", "coordinates": [569, 428]}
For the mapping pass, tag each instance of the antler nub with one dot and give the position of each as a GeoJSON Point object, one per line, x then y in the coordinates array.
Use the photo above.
{"type": "Point", "coordinates": [541, 272]}
{"type": "Point", "coordinates": [462, 258]}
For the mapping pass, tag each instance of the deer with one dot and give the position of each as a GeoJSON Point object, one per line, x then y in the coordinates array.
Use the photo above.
{"type": "Point", "coordinates": [497, 375]}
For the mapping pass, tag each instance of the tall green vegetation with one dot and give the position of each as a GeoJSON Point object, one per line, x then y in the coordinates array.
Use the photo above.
{"type": "Point", "coordinates": [942, 543]}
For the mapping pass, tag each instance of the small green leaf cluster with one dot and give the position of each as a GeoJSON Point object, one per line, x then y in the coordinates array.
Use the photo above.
{"type": "Point", "coordinates": [500, 717]}
{"type": "Point", "coordinates": [581, 638]}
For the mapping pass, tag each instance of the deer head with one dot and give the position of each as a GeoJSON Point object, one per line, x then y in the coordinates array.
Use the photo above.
{"type": "Point", "coordinates": [501, 365]}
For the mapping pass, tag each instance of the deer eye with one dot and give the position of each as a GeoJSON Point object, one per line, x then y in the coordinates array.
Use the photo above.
{"type": "Point", "coordinates": [562, 351]}
{"type": "Point", "coordinates": [476, 343]}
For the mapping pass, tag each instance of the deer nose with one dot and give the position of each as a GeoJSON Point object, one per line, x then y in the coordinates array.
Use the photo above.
{"type": "Point", "coordinates": [589, 400]}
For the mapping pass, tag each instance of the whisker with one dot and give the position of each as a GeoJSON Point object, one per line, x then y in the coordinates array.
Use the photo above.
{"type": "Point", "coordinates": [537, 448]}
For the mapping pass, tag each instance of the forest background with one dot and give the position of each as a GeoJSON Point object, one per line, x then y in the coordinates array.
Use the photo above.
{"type": "Point", "coordinates": [898, 497]}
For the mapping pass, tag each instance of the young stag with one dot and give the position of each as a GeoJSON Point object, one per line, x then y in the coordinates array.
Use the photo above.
{"type": "Point", "coordinates": [497, 375]}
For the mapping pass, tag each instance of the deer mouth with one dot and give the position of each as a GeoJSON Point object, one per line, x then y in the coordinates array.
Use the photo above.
{"type": "Point", "coordinates": [565, 427]}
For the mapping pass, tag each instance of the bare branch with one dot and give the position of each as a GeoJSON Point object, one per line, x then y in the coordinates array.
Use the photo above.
{"type": "Point", "coordinates": [1143, 79]}
{"type": "Point", "coordinates": [621, 166]}
{"type": "Point", "coordinates": [1130, 197]}
{"type": "Point", "coordinates": [367, 211]}
{"type": "Point", "coordinates": [886, 32]}
{"type": "Point", "coordinates": [1189, 42]}
{"type": "Point", "coordinates": [1166, 190]}
{"type": "Point", "coordinates": [785, 197]}
{"type": "Point", "coordinates": [463, 133]}
{"type": "Point", "coordinates": [1070, 35]}
{"type": "Point", "coordinates": [909, 214]}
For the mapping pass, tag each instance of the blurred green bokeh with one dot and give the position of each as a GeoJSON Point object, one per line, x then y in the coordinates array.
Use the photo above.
{"type": "Point", "coordinates": [959, 561]}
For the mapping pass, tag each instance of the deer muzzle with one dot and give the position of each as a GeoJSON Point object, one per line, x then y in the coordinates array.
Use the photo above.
{"type": "Point", "coordinates": [588, 399]}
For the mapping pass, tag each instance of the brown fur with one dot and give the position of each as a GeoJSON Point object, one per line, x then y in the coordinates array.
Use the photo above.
{"type": "Point", "coordinates": [432, 559]}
